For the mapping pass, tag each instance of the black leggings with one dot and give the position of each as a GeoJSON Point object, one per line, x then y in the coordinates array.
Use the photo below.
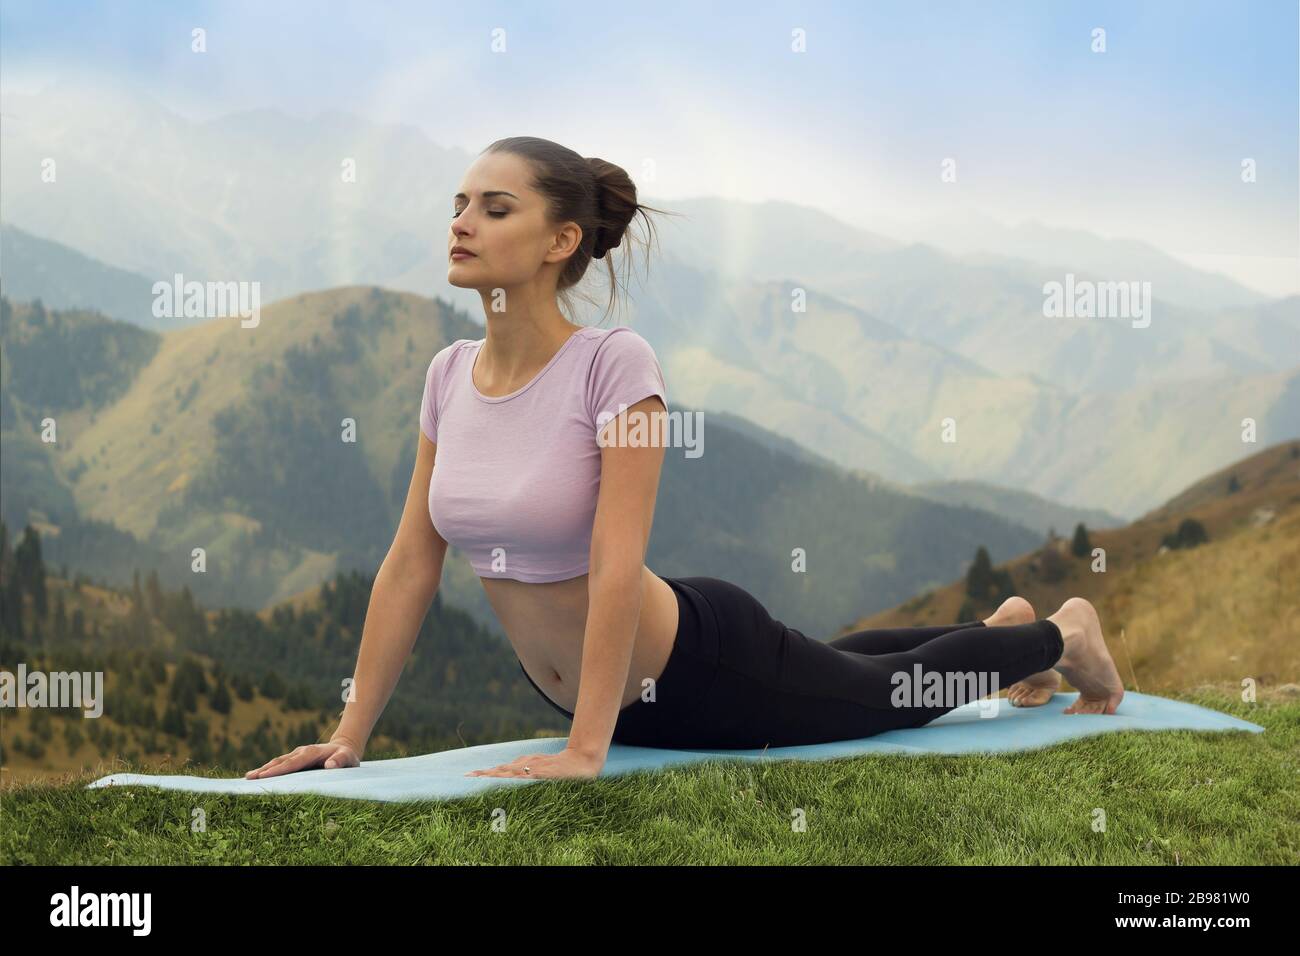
{"type": "Point", "coordinates": [737, 679]}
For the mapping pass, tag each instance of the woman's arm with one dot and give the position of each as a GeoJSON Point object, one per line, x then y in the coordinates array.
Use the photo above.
{"type": "Point", "coordinates": [629, 483]}
{"type": "Point", "coordinates": [404, 588]}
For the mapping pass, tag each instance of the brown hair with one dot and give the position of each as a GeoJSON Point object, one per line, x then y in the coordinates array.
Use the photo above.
{"type": "Point", "coordinates": [599, 196]}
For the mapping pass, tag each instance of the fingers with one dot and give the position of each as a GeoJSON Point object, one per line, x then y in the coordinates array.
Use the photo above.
{"type": "Point", "coordinates": [285, 764]}
{"type": "Point", "coordinates": [266, 766]}
{"type": "Point", "coordinates": [293, 760]}
{"type": "Point", "coordinates": [340, 758]}
{"type": "Point", "coordinates": [514, 768]}
{"type": "Point", "coordinates": [504, 770]}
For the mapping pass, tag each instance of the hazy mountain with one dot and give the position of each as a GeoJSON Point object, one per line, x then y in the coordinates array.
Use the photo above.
{"type": "Point", "coordinates": [984, 240]}
{"type": "Point", "coordinates": [990, 309]}
{"type": "Point", "coordinates": [856, 390]}
{"type": "Point", "coordinates": [895, 338]}
{"type": "Point", "coordinates": [254, 196]}
{"type": "Point", "coordinates": [62, 278]}
{"type": "Point", "coordinates": [262, 196]}
{"type": "Point", "coordinates": [1020, 507]}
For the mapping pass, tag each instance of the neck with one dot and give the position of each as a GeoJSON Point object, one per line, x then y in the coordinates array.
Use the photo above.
{"type": "Point", "coordinates": [520, 336]}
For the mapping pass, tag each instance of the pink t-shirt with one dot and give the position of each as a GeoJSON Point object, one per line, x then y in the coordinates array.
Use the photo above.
{"type": "Point", "coordinates": [516, 477]}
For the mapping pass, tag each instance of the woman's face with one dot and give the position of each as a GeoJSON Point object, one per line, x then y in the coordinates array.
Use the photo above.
{"type": "Point", "coordinates": [499, 219]}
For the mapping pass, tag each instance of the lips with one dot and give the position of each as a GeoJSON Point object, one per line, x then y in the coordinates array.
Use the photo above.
{"type": "Point", "coordinates": [458, 251]}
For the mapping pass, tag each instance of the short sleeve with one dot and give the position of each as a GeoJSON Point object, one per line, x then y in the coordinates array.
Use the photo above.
{"type": "Point", "coordinates": [432, 386]}
{"type": "Point", "coordinates": [624, 371]}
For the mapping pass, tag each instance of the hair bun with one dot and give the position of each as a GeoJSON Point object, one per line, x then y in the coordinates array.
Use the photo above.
{"type": "Point", "coordinates": [615, 197]}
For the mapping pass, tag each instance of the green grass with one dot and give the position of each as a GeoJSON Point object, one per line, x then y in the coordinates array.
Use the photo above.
{"type": "Point", "coordinates": [1170, 797]}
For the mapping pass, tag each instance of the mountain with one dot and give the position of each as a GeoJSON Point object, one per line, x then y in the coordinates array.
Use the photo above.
{"type": "Point", "coordinates": [989, 307]}
{"type": "Point", "coordinates": [855, 389]}
{"type": "Point", "coordinates": [61, 278]}
{"type": "Point", "coordinates": [253, 196]}
{"type": "Point", "coordinates": [983, 239]}
{"type": "Point", "coordinates": [1021, 507]}
{"type": "Point", "coordinates": [856, 346]}
{"type": "Point", "coordinates": [225, 438]}
{"type": "Point", "coordinates": [240, 205]}
{"type": "Point", "coordinates": [1168, 605]}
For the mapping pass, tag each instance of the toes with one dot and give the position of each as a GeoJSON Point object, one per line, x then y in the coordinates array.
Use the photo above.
{"type": "Point", "coordinates": [1091, 706]}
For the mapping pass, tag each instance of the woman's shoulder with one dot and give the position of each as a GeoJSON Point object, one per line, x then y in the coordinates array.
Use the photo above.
{"type": "Point", "coordinates": [442, 362]}
{"type": "Point", "coordinates": [449, 352]}
{"type": "Point", "coordinates": [616, 340]}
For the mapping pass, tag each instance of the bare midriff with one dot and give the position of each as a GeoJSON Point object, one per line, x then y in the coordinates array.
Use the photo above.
{"type": "Point", "coordinates": [546, 624]}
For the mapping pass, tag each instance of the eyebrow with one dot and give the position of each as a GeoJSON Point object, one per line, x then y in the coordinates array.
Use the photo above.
{"type": "Point", "coordinates": [488, 194]}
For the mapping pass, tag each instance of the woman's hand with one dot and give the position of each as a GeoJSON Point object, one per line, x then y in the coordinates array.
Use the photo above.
{"type": "Point", "coordinates": [566, 764]}
{"type": "Point", "coordinates": [328, 755]}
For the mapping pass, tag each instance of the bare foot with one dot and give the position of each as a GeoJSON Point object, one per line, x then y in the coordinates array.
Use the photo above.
{"type": "Point", "coordinates": [1036, 689]}
{"type": "Point", "coordinates": [1086, 662]}
{"type": "Point", "coordinates": [1014, 610]}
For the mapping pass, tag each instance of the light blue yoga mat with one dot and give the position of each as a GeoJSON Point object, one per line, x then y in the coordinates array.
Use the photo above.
{"type": "Point", "coordinates": [440, 776]}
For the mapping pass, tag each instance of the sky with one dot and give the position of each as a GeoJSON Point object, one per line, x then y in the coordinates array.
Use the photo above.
{"type": "Point", "coordinates": [1145, 140]}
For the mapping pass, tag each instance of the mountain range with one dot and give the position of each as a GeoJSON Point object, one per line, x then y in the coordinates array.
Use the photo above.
{"type": "Point", "coordinates": [858, 346]}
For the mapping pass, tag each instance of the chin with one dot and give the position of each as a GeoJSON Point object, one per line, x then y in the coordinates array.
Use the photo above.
{"type": "Point", "coordinates": [454, 279]}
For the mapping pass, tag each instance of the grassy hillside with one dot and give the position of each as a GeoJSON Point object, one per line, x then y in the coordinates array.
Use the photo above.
{"type": "Point", "coordinates": [1216, 613]}
{"type": "Point", "coordinates": [220, 437]}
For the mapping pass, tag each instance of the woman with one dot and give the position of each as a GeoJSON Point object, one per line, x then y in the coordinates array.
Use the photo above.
{"type": "Point", "coordinates": [553, 502]}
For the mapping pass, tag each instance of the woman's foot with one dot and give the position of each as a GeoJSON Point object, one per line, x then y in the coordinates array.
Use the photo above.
{"type": "Point", "coordinates": [1086, 662]}
{"type": "Point", "coordinates": [1014, 610]}
{"type": "Point", "coordinates": [1036, 689]}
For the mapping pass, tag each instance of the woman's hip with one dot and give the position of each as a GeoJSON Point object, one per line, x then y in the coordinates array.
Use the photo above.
{"type": "Point", "coordinates": [671, 700]}
{"type": "Point", "coordinates": [722, 629]}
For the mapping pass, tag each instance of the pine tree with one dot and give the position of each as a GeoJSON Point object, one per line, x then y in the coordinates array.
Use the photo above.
{"type": "Point", "coordinates": [219, 699]}
{"type": "Point", "coordinates": [979, 579]}
{"type": "Point", "coordinates": [966, 612]}
{"type": "Point", "coordinates": [29, 569]}
{"type": "Point", "coordinates": [154, 593]}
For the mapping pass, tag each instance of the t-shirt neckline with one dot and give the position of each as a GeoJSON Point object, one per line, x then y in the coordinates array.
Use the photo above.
{"type": "Point", "coordinates": [523, 388]}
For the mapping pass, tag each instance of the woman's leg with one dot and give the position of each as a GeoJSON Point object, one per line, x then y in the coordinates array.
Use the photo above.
{"type": "Point", "coordinates": [777, 687]}
{"type": "Point", "coordinates": [891, 640]}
